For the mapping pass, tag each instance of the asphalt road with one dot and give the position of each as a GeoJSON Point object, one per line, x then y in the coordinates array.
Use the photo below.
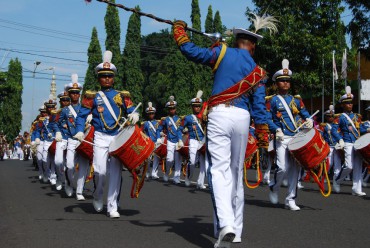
{"type": "Point", "coordinates": [34, 214]}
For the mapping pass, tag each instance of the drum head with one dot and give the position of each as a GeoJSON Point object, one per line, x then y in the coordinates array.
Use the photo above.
{"type": "Point", "coordinates": [301, 139]}
{"type": "Point", "coordinates": [362, 142]}
{"type": "Point", "coordinates": [121, 138]}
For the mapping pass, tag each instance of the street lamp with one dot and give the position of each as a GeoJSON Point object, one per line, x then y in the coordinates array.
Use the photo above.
{"type": "Point", "coordinates": [34, 70]}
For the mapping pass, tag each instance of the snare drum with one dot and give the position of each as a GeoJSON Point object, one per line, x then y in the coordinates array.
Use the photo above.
{"type": "Point", "coordinates": [132, 147]}
{"type": "Point", "coordinates": [251, 148]}
{"type": "Point", "coordinates": [184, 151]}
{"type": "Point", "coordinates": [161, 150]}
{"type": "Point", "coordinates": [362, 145]}
{"type": "Point", "coordinates": [53, 147]}
{"type": "Point", "coordinates": [85, 149]}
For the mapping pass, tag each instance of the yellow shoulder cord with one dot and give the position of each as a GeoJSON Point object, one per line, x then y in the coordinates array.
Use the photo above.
{"type": "Point", "coordinates": [115, 125]}
{"type": "Point", "coordinates": [219, 59]}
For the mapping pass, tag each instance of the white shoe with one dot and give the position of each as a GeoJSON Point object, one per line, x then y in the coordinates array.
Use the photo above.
{"type": "Point", "coordinates": [154, 177]}
{"type": "Point", "coordinates": [274, 197]}
{"type": "Point", "coordinates": [225, 238]}
{"type": "Point", "coordinates": [165, 178]}
{"type": "Point", "coordinates": [336, 186]}
{"type": "Point", "coordinates": [53, 181]}
{"type": "Point", "coordinates": [59, 186]}
{"type": "Point", "coordinates": [237, 240]}
{"type": "Point", "coordinates": [300, 186]}
{"type": "Point", "coordinates": [201, 186]}
{"type": "Point", "coordinates": [187, 182]}
{"type": "Point", "coordinates": [292, 206]}
{"type": "Point", "coordinates": [176, 181]}
{"type": "Point", "coordinates": [266, 181]}
{"type": "Point", "coordinates": [358, 193]}
{"type": "Point", "coordinates": [114, 215]}
{"type": "Point", "coordinates": [69, 190]}
{"type": "Point", "coordinates": [98, 205]}
{"type": "Point", "coordinates": [80, 197]}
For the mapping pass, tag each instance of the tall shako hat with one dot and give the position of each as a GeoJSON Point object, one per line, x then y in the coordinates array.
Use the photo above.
{"type": "Point", "coordinates": [284, 73]}
{"type": "Point", "coordinates": [259, 22]}
{"type": "Point", "coordinates": [150, 109]}
{"type": "Point", "coordinates": [330, 111]}
{"type": "Point", "coordinates": [64, 94]}
{"type": "Point", "coordinates": [197, 100]}
{"type": "Point", "coordinates": [74, 86]}
{"type": "Point", "coordinates": [348, 97]}
{"type": "Point", "coordinates": [42, 109]}
{"type": "Point", "coordinates": [50, 103]}
{"type": "Point", "coordinates": [171, 102]}
{"type": "Point", "coordinates": [106, 68]}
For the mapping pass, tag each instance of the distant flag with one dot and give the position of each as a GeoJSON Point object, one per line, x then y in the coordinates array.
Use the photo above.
{"type": "Point", "coordinates": [344, 65]}
{"type": "Point", "coordinates": [335, 72]}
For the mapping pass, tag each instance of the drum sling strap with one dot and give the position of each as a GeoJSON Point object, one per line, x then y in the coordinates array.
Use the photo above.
{"type": "Point", "coordinates": [352, 124]}
{"type": "Point", "coordinates": [73, 111]}
{"type": "Point", "coordinates": [107, 103]}
{"type": "Point", "coordinates": [287, 109]}
{"type": "Point", "coordinates": [152, 127]}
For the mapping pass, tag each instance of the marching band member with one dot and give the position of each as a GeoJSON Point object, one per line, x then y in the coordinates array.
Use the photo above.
{"type": "Point", "coordinates": [68, 121]}
{"type": "Point", "coordinates": [107, 106]}
{"type": "Point", "coordinates": [18, 143]}
{"type": "Point", "coordinates": [332, 137]}
{"type": "Point", "coordinates": [37, 141]}
{"type": "Point", "coordinates": [150, 129]}
{"type": "Point", "coordinates": [26, 146]}
{"type": "Point", "coordinates": [171, 125]}
{"type": "Point", "coordinates": [237, 91]}
{"type": "Point", "coordinates": [351, 128]}
{"type": "Point", "coordinates": [3, 150]}
{"type": "Point", "coordinates": [285, 112]}
{"type": "Point", "coordinates": [61, 137]}
{"type": "Point", "coordinates": [196, 132]}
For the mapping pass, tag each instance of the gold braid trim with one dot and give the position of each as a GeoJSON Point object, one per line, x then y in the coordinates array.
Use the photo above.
{"type": "Point", "coordinates": [115, 125]}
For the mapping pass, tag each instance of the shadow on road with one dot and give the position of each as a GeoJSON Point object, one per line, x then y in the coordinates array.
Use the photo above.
{"type": "Point", "coordinates": [188, 228]}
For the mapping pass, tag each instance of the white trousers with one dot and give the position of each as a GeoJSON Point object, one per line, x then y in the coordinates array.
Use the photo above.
{"type": "Point", "coordinates": [334, 161]}
{"type": "Point", "coordinates": [104, 163]}
{"type": "Point", "coordinates": [286, 166]}
{"type": "Point", "coordinates": [352, 162]}
{"type": "Point", "coordinates": [227, 136]}
{"type": "Point", "coordinates": [83, 165]}
{"type": "Point", "coordinates": [173, 156]}
{"type": "Point", "coordinates": [20, 153]}
{"type": "Point", "coordinates": [60, 159]}
{"type": "Point", "coordinates": [40, 149]}
{"type": "Point", "coordinates": [155, 165]}
{"type": "Point", "coordinates": [48, 161]}
{"type": "Point", "coordinates": [196, 156]}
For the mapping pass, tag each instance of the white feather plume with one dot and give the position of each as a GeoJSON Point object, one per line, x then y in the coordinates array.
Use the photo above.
{"type": "Point", "coordinates": [66, 87]}
{"type": "Point", "coordinates": [348, 90]}
{"type": "Point", "coordinates": [74, 78]}
{"type": "Point", "coordinates": [171, 98]}
{"type": "Point", "coordinates": [331, 107]}
{"type": "Point", "coordinates": [199, 94]}
{"type": "Point", "coordinates": [150, 104]}
{"type": "Point", "coordinates": [107, 57]}
{"type": "Point", "coordinates": [285, 64]}
{"type": "Point", "coordinates": [261, 22]}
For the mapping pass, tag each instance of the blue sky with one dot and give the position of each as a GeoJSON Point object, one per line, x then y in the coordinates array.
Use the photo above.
{"type": "Point", "coordinates": [75, 17]}
{"type": "Point", "coordinates": [23, 24]}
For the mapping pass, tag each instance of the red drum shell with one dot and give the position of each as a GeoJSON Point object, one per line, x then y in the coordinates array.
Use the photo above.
{"type": "Point", "coordinates": [251, 147]}
{"type": "Point", "coordinates": [311, 153]}
{"type": "Point", "coordinates": [184, 151]}
{"type": "Point", "coordinates": [53, 147]}
{"type": "Point", "coordinates": [132, 147]}
{"type": "Point", "coordinates": [85, 149]}
{"type": "Point", "coordinates": [362, 145]}
{"type": "Point", "coordinates": [161, 150]}
{"type": "Point", "coordinates": [202, 149]}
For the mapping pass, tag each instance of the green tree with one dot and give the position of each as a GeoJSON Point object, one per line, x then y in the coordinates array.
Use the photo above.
{"type": "Point", "coordinates": [217, 23]}
{"type": "Point", "coordinates": [209, 28]}
{"type": "Point", "coordinates": [11, 113]}
{"type": "Point", "coordinates": [94, 54]}
{"type": "Point", "coordinates": [133, 76]}
{"type": "Point", "coordinates": [112, 42]}
{"type": "Point", "coordinates": [196, 23]}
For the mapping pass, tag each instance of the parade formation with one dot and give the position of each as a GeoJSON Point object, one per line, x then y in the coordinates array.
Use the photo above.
{"type": "Point", "coordinates": [94, 135]}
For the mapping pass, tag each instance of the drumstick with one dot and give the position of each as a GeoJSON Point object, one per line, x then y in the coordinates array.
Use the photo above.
{"type": "Point", "coordinates": [123, 125]}
{"type": "Point", "coordinates": [317, 111]}
{"type": "Point", "coordinates": [88, 142]}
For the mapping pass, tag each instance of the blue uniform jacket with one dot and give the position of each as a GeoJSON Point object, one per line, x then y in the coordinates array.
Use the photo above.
{"type": "Point", "coordinates": [67, 122]}
{"type": "Point", "coordinates": [148, 130]}
{"type": "Point", "coordinates": [173, 133]}
{"type": "Point", "coordinates": [58, 126]}
{"type": "Point", "coordinates": [350, 134]}
{"type": "Point", "coordinates": [45, 128]}
{"type": "Point", "coordinates": [330, 133]}
{"type": "Point", "coordinates": [235, 65]}
{"type": "Point", "coordinates": [278, 117]}
{"type": "Point", "coordinates": [102, 118]}
{"type": "Point", "coordinates": [193, 128]}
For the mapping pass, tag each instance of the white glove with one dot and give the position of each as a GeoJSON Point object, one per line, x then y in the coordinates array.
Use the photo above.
{"type": "Point", "coordinates": [185, 130]}
{"type": "Point", "coordinates": [279, 135]}
{"type": "Point", "coordinates": [159, 141]}
{"type": "Point", "coordinates": [180, 144]}
{"type": "Point", "coordinates": [162, 134]}
{"type": "Point", "coordinates": [79, 136]}
{"type": "Point", "coordinates": [133, 118]}
{"type": "Point", "coordinates": [58, 136]}
{"type": "Point", "coordinates": [341, 144]}
{"type": "Point", "coordinates": [37, 141]}
{"type": "Point", "coordinates": [89, 118]}
{"type": "Point", "coordinates": [50, 135]}
{"type": "Point", "coordinates": [309, 123]}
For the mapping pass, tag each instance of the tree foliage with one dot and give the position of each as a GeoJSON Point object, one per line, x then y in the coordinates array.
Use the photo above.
{"type": "Point", "coordinates": [11, 104]}
{"type": "Point", "coordinates": [94, 54]}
